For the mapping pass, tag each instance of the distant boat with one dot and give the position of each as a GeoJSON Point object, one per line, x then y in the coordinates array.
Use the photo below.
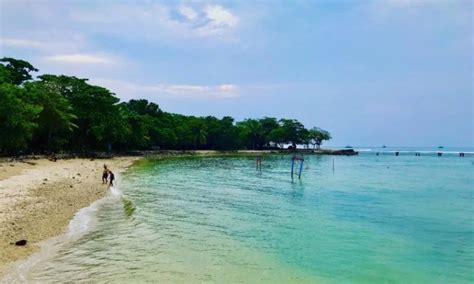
{"type": "Point", "coordinates": [440, 147]}
{"type": "Point", "coordinates": [349, 147]}
{"type": "Point", "coordinates": [384, 146]}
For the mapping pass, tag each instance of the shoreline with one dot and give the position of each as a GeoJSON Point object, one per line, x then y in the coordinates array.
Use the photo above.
{"type": "Point", "coordinates": [28, 158]}
{"type": "Point", "coordinates": [39, 199]}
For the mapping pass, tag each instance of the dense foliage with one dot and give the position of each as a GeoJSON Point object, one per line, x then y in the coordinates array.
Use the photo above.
{"type": "Point", "coordinates": [62, 113]}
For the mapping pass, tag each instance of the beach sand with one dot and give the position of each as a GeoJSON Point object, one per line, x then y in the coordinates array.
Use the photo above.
{"type": "Point", "coordinates": [38, 198]}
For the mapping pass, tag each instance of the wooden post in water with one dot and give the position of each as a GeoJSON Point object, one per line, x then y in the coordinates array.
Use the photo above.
{"type": "Point", "coordinates": [301, 168]}
{"type": "Point", "coordinates": [292, 166]}
{"type": "Point", "coordinates": [258, 163]}
{"type": "Point", "coordinates": [333, 164]}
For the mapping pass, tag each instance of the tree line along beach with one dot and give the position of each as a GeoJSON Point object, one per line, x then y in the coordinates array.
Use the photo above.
{"type": "Point", "coordinates": [57, 113]}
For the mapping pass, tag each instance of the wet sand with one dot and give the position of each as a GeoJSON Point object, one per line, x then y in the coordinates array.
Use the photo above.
{"type": "Point", "coordinates": [38, 198]}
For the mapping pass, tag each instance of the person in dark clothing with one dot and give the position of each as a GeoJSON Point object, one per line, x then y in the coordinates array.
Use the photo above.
{"type": "Point", "coordinates": [111, 178]}
{"type": "Point", "coordinates": [105, 174]}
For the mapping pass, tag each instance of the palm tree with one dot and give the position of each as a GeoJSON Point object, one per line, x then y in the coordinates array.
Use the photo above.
{"type": "Point", "coordinates": [200, 134]}
{"type": "Point", "coordinates": [253, 130]}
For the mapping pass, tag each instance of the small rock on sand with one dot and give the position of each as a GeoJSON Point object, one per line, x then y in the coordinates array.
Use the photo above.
{"type": "Point", "coordinates": [20, 243]}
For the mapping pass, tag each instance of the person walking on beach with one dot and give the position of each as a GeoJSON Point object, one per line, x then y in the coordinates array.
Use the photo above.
{"type": "Point", "coordinates": [111, 178]}
{"type": "Point", "coordinates": [105, 174]}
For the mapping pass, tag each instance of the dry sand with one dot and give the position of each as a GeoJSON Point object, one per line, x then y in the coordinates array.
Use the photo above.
{"type": "Point", "coordinates": [38, 198]}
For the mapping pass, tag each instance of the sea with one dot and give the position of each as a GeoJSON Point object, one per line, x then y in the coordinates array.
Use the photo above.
{"type": "Point", "coordinates": [371, 218]}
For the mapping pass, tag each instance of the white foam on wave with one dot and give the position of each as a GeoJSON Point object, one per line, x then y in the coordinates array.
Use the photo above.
{"type": "Point", "coordinates": [363, 150]}
{"type": "Point", "coordinates": [115, 191]}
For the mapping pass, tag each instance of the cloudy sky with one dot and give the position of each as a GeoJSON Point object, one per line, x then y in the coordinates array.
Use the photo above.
{"type": "Point", "coordinates": [372, 72]}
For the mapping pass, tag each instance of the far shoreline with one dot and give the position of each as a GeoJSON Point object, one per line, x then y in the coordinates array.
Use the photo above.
{"type": "Point", "coordinates": [164, 153]}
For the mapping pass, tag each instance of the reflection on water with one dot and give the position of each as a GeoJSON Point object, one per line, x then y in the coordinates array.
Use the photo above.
{"type": "Point", "coordinates": [374, 219]}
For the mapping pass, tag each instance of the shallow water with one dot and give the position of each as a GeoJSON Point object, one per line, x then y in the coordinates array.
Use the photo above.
{"type": "Point", "coordinates": [372, 219]}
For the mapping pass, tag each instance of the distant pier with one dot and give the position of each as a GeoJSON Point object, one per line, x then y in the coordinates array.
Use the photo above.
{"type": "Point", "coordinates": [419, 153]}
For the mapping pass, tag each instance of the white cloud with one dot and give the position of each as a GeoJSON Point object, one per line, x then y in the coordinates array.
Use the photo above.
{"type": "Point", "coordinates": [409, 3]}
{"type": "Point", "coordinates": [187, 12]}
{"type": "Point", "coordinates": [80, 59]}
{"type": "Point", "coordinates": [220, 17]}
{"type": "Point", "coordinates": [156, 21]}
{"type": "Point", "coordinates": [218, 21]}
{"type": "Point", "coordinates": [386, 6]}
{"type": "Point", "coordinates": [21, 43]}
{"type": "Point", "coordinates": [127, 90]}
{"type": "Point", "coordinates": [230, 88]}
{"type": "Point", "coordinates": [46, 42]}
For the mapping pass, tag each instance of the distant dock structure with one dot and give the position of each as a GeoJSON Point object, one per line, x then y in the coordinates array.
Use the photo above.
{"type": "Point", "coordinates": [418, 153]}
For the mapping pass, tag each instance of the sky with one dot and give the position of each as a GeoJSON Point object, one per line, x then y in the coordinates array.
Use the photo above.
{"type": "Point", "coordinates": [372, 72]}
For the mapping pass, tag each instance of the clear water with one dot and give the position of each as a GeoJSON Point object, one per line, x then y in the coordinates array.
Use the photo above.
{"type": "Point", "coordinates": [372, 219]}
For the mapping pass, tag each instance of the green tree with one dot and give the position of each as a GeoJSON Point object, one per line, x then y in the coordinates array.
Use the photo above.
{"type": "Point", "coordinates": [136, 131]}
{"type": "Point", "coordinates": [252, 133]}
{"type": "Point", "coordinates": [293, 132]}
{"type": "Point", "coordinates": [200, 134]}
{"type": "Point", "coordinates": [56, 119]}
{"type": "Point", "coordinates": [228, 135]}
{"type": "Point", "coordinates": [57, 112]}
{"type": "Point", "coordinates": [15, 71]}
{"type": "Point", "coordinates": [99, 119]}
{"type": "Point", "coordinates": [278, 137]}
{"type": "Point", "coordinates": [143, 107]}
{"type": "Point", "coordinates": [141, 117]}
{"type": "Point", "coordinates": [268, 125]}
{"type": "Point", "coordinates": [316, 136]}
{"type": "Point", "coordinates": [17, 119]}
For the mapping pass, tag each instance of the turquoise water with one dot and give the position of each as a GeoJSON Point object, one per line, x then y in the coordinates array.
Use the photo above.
{"type": "Point", "coordinates": [372, 219]}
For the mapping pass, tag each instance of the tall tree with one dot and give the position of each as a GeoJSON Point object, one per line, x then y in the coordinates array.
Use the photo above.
{"type": "Point", "coordinates": [251, 131]}
{"type": "Point", "coordinates": [143, 107]}
{"type": "Point", "coordinates": [15, 71]}
{"type": "Point", "coordinates": [99, 121]}
{"type": "Point", "coordinates": [200, 133]}
{"type": "Point", "coordinates": [316, 136]}
{"type": "Point", "coordinates": [17, 119]}
{"type": "Point", "coordinates": [293, 131]}
{"type": "Point", "coordinates": [56, 120]}
{"type": "Point", "coordinates": [268, 124]}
